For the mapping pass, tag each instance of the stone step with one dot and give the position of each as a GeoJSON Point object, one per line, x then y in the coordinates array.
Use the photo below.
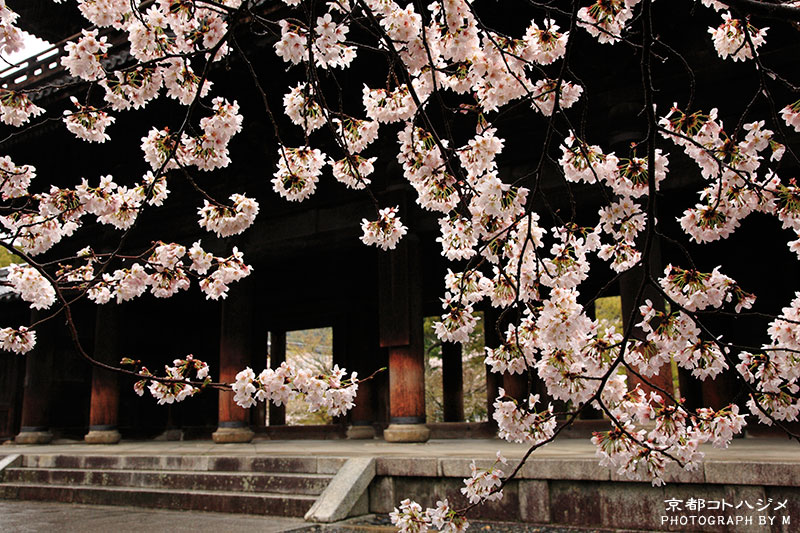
{"type": "Point", "coordinates": [184, 463]}
{"type": "Point", "coordinates": [305, 484]}
{"type": "Point", "coordinates": [216, 501]}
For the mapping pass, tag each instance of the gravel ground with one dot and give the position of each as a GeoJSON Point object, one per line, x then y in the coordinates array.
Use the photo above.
{"type": "Point", "coordinates": [48, 517]}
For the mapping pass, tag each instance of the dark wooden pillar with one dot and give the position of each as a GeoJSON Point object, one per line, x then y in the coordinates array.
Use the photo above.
{"type": "Point", "coordinates": [515, 385]}
{"type": "Point", "coordinates": [629, 284]}
{"type": "Point", "coordinates": [720, 391]}
{"type": "Point", "coordinates": [235, 352]}
{"type": "Point", "coordinates": [452, 382]}
{"type": "Point", "coordinates": [104, 406]}
{"type": "Point", "coordinates": [277, 355]}
{"type": "Point", "coordinates": [362, 415]}
{"type": "Point", "coordinates": [35, 423]}
{"type": "Point", "coordinates": [360, 332]}
{"type": "Point", "coordinates": [260, 411]}
{"type": "Point", "coordinates": [400, 299]}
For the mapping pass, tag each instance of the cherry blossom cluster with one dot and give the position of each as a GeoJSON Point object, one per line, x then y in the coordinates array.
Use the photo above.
{"type": "Point", "coordinates": [483, 485]}
{"type": "Point", "coordinates": [736, 188]}
{"type": "Point", "coordinates": [652, 432]}
{"type": "Point", "coordinates": [522, 423]}
{"type": "Point", "coordinates": [165, 272]}
{"type": "Point", "coordinates": [298, 172]}
{"type": "Point", "coordinates": [544, 95]}
{"type": "Point", "coordinates": [328, 48]}
{"type": "Point", "coordinates": [730, 41]}
{"type": "Point", "coordinates": [606, 20]}
{"type": "Point", "coordinates": [353, 170]}
{"type": "Point", "coordinates": [15, 179]}
{"type": "Point", "coordinates": [133, 88]}
{"type": "Point", "coordinates": [11, 39]}
{"type": "Point", "coordinates": [775, 371]}
{"type": "Point", "coordinates": [31, 286]}
{"type": "Point", "coordinates": [158, 34]}
{"type": "Point", "coordinates": [791, 115]}
{"type": "Point", "coordinates": [458, 321]}
{"type": "Point", "coordinates": [88, 123]}
{"type": "Point", "coordinates": [210, 150]}
{"type": "Point", "coordinates": [355, 134]}
{"type": "Point", "coordinates": [410, 518]}
{"type": "Point", "coordinates": [18, 340]}
{"type": "Point", "coordinates": [331, 392]}
{"type": "Point", "coordinates": [207, 152]}
{"type": "Point", "coordinates": [229, 220]}
{"type": "Point", "coordinates": [16, 108]}
{"type": "Point", "coordinates": [84, 56]}
{"type": "Point", "coordinates": [175, 388]}
{"type": "Point", "coordinates": [695, 290]}
{"type": "Point", "coordinates": [301, 108]}
{"type": "Point", "coordinates": [424, 168]}
{"type": "Point", "coordinates": [545, 45]}
{"type": "Point", "coordinates": [224, 270]}
{"type": "Point", "coordinates": [60, 210]}
{"type": "Point", "coordinates": [677, 336]}
{"type": "Point", "coordinates": [385, 232]}
{"type": "Point", "coordinates": [584, 163]}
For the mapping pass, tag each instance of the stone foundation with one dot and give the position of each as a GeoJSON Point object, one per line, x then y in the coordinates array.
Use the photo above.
{"type": "Point", "coordinates": [579, 493]}
{"type": "Point", "coordinates": [406, 433]}
{"type": "Point", "coordinates": [103, 436]}
{"type": "Point", "coordinates": [234, 434]}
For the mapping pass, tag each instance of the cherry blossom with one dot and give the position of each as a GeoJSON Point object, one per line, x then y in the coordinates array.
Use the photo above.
{"type": "Point", "coordinates": [385, 232]}
{"type": "Point", "coordinates": [84, 56]}
{"type": "Point", "coordinates": [521, 423]}
{"type": "Point", "coordinates": [15, 179]}
{"type": "Point", "coordinates": [11, 37]}
{"type": "Point", "coordinates": [31, 286]}
{"type": "Point", "coordinates": [544, 95]}
{"type": "Point", "coordinates": [20, 340]}
{"type": "Point", "coordinates": [226, 221]}
{"type": "Point", "coordinates": [298, 172]}
{"type": "Point", "coordinates": [791, 115]}
{"type": "Point", "coordinates": [483, 484]}
{"type": "Point", "coordinates": [16, 108]}
{"type": "Point", "coordinates": [88, 123]}
{"type": "Point", "coordinates": [301, 108]}
{"type": "Point", "coordinates": [546, 44]}
{"type": "Point", "coordinates": [353, 171]}
{"type": "Point", "coordinates": [331, 392]}
{"type": "Point", "coordinates": [729, 39]}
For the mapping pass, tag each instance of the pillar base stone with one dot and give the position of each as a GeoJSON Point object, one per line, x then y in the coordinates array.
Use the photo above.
{"type": "Point", "coordinates": [360, 432]}
{"type": "Point", "coordinates": [228, 435]}
{"type": "Point", "coordinates": [406, 433]}
{"type": "Point", "coordinates": [33, 437]}
{"type": "Point", "coordinates": [102, 436]}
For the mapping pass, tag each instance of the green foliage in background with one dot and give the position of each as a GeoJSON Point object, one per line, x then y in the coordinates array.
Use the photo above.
{"type": "Point", "coordinates": [473, 370]}
{"type": "Point", "coordinates": [311, 349]}
{"type": "Point", "coordinates": [6, 258]}
{"type": "Point", "coordinates": [609, 311]}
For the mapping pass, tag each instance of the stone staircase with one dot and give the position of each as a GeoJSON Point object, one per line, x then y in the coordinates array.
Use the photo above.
{"type": "Point", "coordinates": [278, 486]}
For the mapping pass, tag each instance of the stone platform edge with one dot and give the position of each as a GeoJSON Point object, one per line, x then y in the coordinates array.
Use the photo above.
{"type": "Point", "coordinates": [716, 472]}
{"type": "Point", "coordinates": [766, 472]}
